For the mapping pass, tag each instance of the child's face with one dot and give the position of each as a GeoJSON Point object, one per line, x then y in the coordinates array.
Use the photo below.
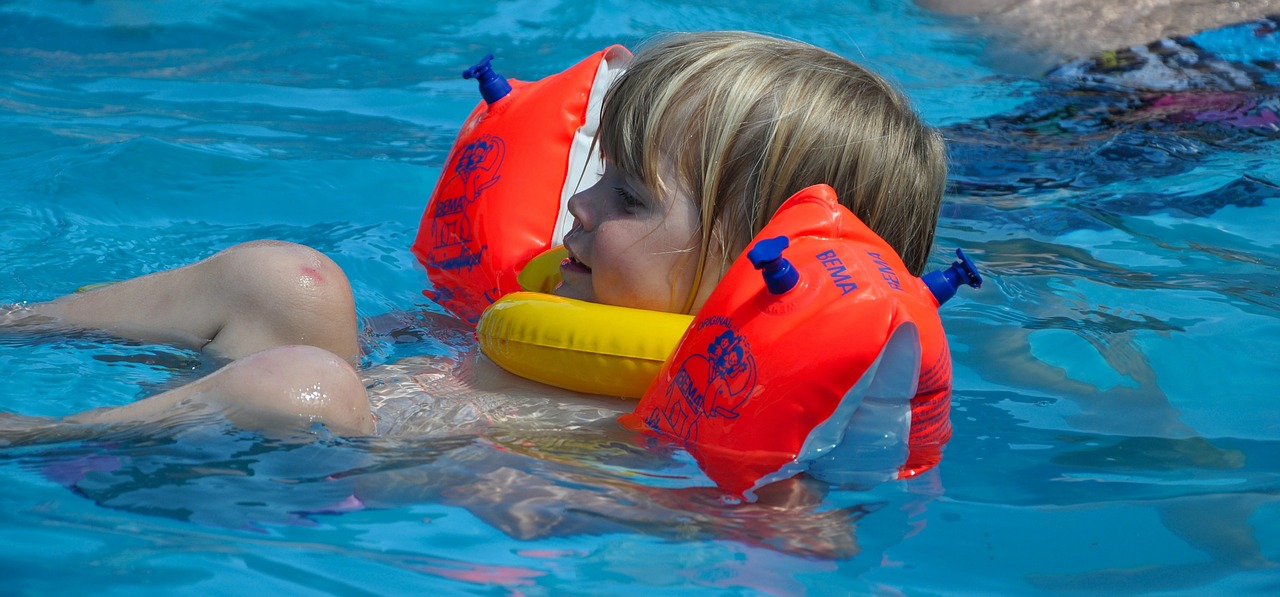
{"type": "Point", "coordinates": [631, 247]}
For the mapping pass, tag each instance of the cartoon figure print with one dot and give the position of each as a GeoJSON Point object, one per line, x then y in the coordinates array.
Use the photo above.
{"type": "Point", "coordinates": [714, 384]}
{"type": "Point", "coordinates": [477, 168]}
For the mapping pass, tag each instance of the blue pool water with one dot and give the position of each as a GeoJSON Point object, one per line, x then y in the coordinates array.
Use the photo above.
{"type": "Point", "coordinates": [1115, 421]}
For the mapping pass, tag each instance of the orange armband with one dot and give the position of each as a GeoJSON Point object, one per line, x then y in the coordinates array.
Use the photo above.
{"type": "Point", "coordinates": [503, 194]}
{"type": "Point", "coordinates": [817, 352]}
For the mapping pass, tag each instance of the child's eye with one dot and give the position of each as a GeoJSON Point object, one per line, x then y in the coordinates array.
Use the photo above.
{"type": "Point", "coordinates": [629, 201]}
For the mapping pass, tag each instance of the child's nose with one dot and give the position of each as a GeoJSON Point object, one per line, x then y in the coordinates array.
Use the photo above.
{"type": "Point", "coordinates": [579, 208]}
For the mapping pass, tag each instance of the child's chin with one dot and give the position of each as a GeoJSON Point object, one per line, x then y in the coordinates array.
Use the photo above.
{"type": "Point", "coordinates": [572, 291]}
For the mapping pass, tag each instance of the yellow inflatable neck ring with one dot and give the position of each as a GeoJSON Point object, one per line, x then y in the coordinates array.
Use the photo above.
{"type": "Point", "coordinates": [576, 345]}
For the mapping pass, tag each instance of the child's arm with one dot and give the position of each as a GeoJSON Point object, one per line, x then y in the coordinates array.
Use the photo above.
{"type": "Point", "coordinates": [245, 299]}
{"type": "Point", "coordinates": [276, 391]}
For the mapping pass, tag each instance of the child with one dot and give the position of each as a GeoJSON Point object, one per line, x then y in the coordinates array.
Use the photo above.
{"type": "Point", "coordinates": [704, 136]}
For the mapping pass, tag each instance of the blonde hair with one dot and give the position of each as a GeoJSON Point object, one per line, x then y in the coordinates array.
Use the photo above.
{"type": "Point", "coordinates": [753, 119]}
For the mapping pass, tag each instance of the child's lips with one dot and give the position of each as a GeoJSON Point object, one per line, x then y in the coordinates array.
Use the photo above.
{"type": "Point", "coordinates": [571, 264]}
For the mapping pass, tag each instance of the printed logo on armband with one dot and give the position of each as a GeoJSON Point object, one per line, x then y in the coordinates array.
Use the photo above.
{"type": "Point", "coordinates": [887, 272]}
{"type": "Point", "coordinates": [837, 270]}
{"type": "Point", "coordinates": [457, 299]}
{"type": "Point", "coordinates": [935, 373]}
{"type": "Point", "coordinates": [712, 384]}
{"type": "Point", "coordinates": [477, 168]}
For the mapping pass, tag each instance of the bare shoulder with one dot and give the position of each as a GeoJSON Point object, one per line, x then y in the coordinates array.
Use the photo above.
{"type": "Point", "coordinates": [968, 7]}
{"type": "Point", "coordinates": [1076, 28]}
{"type": "Point", "coordinates": [467, 393]}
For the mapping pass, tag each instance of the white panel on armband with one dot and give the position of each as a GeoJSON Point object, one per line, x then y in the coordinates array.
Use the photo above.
{"type": "Point", "coordinates": [866, 440]}
{"type": "Point", "coordinates": [585, 167]}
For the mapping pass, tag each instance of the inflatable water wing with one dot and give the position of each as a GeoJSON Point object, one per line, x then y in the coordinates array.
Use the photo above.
{"type": "Point", "coordinates": [502, 196]}
{"type": "Point", "coordinates": [816, 353]}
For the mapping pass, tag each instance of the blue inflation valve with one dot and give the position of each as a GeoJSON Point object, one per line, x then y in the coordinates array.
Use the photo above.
{"type": "Point", "coordinates": [943, 283]}
{"type": "Point", "coordinates": [779, 276]}
{"type": "Point", "coordinates": [493, 86]}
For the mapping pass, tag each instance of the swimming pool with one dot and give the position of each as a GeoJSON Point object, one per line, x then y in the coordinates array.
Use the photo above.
{"type": "Point", "coordinates": [1114, 425]}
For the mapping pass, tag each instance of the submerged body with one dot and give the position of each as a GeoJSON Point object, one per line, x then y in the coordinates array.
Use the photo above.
{"type": "Point", "coordinates": [1064, 30]}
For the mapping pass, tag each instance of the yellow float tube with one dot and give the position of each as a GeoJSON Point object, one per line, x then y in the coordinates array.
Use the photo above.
{"type": "Point", "coordinates": [576, 345]}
